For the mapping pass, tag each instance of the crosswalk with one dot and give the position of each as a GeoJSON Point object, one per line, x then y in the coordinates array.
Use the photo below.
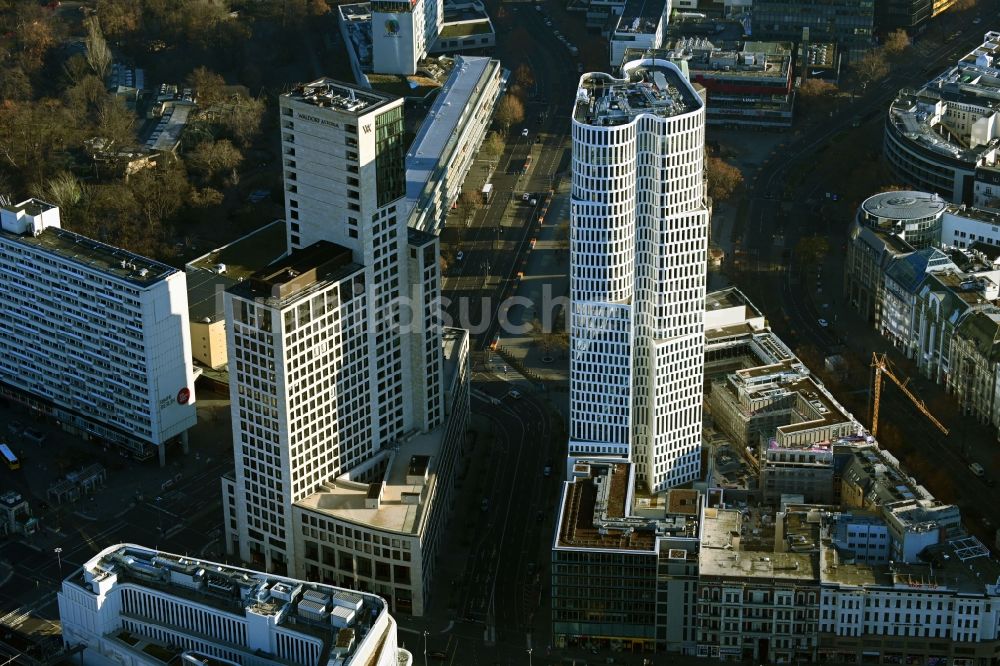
{"type": "Point", "coordinates": [18, 616]}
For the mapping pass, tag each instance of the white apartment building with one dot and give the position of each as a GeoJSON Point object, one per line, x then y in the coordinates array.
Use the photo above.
{"type": "Point", "coordinates": [637, 246]}
{"type": "Point", "coordinates": [446, 145]}
{"type": "Point", "coordinates": [402, 33]}
{"type": "Point", "coordinates": [93, 336]}
{"type": "Point", "coordinates": [141, 607]}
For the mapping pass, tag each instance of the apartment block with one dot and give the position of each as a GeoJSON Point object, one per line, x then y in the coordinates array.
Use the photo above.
{"type": "Point", "coordinates": [134, 605]}
{"type": "Point", "coordinates": [93, 337]}
{"type": "Point", "coordinates": [758, 588]}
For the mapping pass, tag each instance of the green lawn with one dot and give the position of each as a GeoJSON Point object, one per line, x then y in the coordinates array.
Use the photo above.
{"type": "Point", "coordinates": [465, 29]}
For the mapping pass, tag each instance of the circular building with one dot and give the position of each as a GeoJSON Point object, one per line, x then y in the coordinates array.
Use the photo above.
{"type": "Point", "coordinates": [913, 216]}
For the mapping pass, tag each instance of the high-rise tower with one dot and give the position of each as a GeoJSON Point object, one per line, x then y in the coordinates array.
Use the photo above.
{"type": "Point", "coordinates": [638, 242]}
{"type": "Point", "coordinates": [330, 365]}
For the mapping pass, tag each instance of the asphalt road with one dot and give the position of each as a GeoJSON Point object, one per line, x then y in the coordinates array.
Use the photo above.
{"type": "Point", "coordinates": [494, 242]}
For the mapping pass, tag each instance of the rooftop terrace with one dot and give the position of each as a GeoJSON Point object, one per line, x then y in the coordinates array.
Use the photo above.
{"type": "Point", "coordinates": [641, 17]}
{"type": "Point", "coordinates": [332, 94]}
{"type": "Point", "coordinates": [596, 513]}
{"type": "Point", "coordinates": [328, 613]}
{"type": "Point", "coordinates": [653, 87]}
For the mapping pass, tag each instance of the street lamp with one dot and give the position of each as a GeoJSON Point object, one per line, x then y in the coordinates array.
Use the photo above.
{"type": "Point", "coordinates": [529, 656]}
{"type": "Point", "coordinates": [58, 551]}
{"type": "Point", "coordinates": [425, 648]}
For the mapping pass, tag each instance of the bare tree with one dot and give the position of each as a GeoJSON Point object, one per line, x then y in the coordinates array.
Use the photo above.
{"type": "Point", "coordinates": [723, 178]}
{"type": "Point", "coordinates": [510, 111]}
{"type": "Point", "coordinates": [209, 86]}
{"type": "Point", "coordinates": [209, 159]}
{"type": "Point", "coordinates": [493, 145]}
{"type": "Point", "coordinates": [871, 67]}
{"type": "Point", "coordinates": [467, 202]}
{"type": "Point", "coordinates": [63, 189]}
{"type": "Point", "coordinates": [896, 42]}
{"type": "Point", "coordinates": [98, 54]}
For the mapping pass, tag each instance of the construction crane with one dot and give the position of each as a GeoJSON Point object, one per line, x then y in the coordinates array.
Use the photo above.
{"type": "Point", "coordinates": [881, 365]}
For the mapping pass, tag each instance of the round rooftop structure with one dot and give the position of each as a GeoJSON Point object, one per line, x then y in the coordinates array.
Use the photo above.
{"type": "Point", "coordinates": [913, 216]}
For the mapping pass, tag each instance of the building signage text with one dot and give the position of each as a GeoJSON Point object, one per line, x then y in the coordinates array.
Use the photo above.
{"type": "Point", "coordinates": [321, 121]}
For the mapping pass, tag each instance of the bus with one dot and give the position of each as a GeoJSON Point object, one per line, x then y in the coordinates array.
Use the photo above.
{"type": "Point", "coordinates": [9, 457]}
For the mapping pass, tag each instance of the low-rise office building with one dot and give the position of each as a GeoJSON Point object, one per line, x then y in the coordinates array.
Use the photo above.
{"type": "Point", "coordinates": [607, 526]}
{"type": "Point", "coordinates": [848, 23]}
{"type": "Point", "coordinates": [639, 26]}
{"type": "Point", "coordinates": [750, 84]}
{"type": "Point", "coordinates": [92, 336]}
{"type": "Point", "coordinates": [211, 274]}
{"type": "Point", "coordinates": [937, 137]}
{"type": "Point", "coordinates": [467, 27]}
{"type": "Point", "coordinates": [134, 605]}
{"type": "Point", "coordinates": [445, 148]}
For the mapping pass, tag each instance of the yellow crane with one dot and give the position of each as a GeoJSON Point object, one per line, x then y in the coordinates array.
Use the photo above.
{"type": "Point", "coordinates": [881, 365]}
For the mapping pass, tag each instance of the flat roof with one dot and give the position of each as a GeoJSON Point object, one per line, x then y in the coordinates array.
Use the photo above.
{"type": "Point", "coordinates": [140, 271]}
{"type": "Point", "coordinates": [241, 259]}
{"type": "Point", "coordinates": [339, 96]}
{"type": "Point", "coordinates": [641, 17]}
{"type": "Point", "coordinates": [729, 298]}
{"type": "Point", "coordinates": [403, 503]}
{"type": "Point", "coordinates": [299, 272]}
{"type": "Point", "coordinates": [595, 511]}
{"type": "Point", "coordinates": [167, 134]}
{"type": "Point", "coordinates": [652, 86]}
{"type": "Point", "coordinates": [904, 205]}
{"type": "Point", "coordinates": [735, 545]}
{"type": "Point", "coordinates": [974, 81]}
{"type": "Point", "coordinates": [238, 591]}
{"type": "Point", "coordinates": [440, 130]}
{"type": "Point", "coordinates": [961, 565]}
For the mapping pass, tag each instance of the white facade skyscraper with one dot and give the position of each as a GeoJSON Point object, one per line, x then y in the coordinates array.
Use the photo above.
{"type": "Point", "coordinates": [349, 400]}
{"type": "Point", "coordinates": [638, 243]}
{"type": "Point", "coordinates": [344, 171]}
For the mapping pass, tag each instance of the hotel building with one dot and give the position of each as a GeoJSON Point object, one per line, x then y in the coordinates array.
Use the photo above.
{"type": "Point", "coordinates": [349, 399]}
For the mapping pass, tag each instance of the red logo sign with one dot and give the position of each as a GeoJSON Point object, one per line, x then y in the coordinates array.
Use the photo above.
{"type": "Point", "coordinates": [183, 396]}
